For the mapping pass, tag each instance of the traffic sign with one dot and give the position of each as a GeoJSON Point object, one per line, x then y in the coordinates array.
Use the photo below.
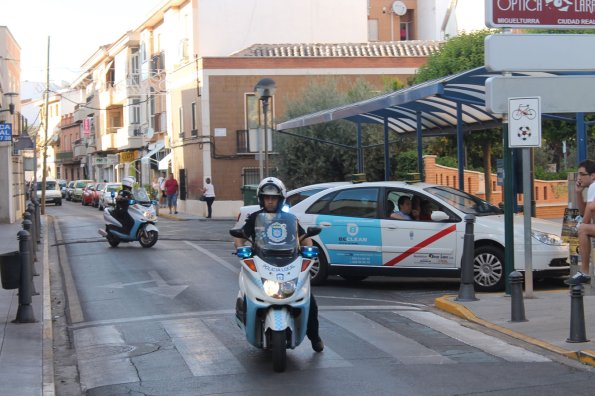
{"type": "Point", "coordinates": [5, 132]}
{"type": "Point", "coordinates": [539, 52]}
{"type": "Point", "coordinates": [559, 94]}
{"type": "Point", "coordinates": [524, 122]}
{"type": "Point", "coordinates": [554, 14]}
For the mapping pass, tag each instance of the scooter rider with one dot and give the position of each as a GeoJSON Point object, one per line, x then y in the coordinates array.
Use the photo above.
{"type": "Point", "coordinates": [123, 202]}
{"type": "Point", "coordinates": [271, 194]}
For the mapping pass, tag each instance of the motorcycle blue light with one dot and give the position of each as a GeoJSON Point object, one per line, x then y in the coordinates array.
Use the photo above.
{"type": "Point", "coordinates": [309, 251]}
{"type": "Point", "coordinates": [244, 252]}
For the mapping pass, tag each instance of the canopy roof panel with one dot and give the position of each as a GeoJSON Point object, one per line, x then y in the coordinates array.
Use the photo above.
{"type": "Point", "coordinates": [435, 102]}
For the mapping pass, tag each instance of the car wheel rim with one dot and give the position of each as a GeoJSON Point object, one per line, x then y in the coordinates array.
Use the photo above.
{"type": "Point", "coordinates": [487, 269]}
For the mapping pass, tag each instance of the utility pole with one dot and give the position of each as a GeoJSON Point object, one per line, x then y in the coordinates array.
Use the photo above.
{"type": "Point", "coordinates": [45, 140]}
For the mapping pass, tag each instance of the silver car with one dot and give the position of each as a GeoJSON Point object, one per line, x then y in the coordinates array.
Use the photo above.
{"type": "Point", "coordinates": [108, 194]}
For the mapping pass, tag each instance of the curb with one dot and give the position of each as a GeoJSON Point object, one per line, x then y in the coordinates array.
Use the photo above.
{"type": "Point", "coordinates": [48, 385]}
{"type": "Point", "coordinates": [446, 304]}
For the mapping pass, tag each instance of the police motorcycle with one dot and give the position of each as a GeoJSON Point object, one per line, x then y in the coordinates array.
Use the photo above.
{"type": "Point", "coordinates": [274, 299]}
{"type": "Point", "coordinates": [142, 211]}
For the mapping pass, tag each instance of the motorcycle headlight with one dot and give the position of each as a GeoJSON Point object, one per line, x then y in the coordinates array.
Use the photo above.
{"type": "Point", "coordinates": [279, 289]}
{"type": "Point", "coordinates": [548, 239]}
{"type": "Point", "coordinates": [149, 215]}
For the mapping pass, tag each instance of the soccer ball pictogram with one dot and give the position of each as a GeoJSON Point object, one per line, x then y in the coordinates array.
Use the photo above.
{"type": "Point", "coordinates": [524, 132]}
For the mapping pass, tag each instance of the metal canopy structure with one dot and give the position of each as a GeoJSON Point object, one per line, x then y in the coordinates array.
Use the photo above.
{"type": "Point", "coordinates": [444, 106]}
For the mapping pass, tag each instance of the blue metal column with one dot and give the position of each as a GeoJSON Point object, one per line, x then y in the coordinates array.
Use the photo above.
{"type": "Point", "coordinates": [581, 137]}
{"type": "Point", "coordinates": [360, 151]}
{"type": "Point", "coordinates": [420, 156]}
{"type": "Point", "coordinates": [460, 147]}
{"type": "Point", "coordinates": [386, 154]}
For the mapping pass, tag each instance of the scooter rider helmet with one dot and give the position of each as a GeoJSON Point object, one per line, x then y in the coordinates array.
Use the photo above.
{"type": "Point", "coordinates": [271, 186]}
{"type": "Point", "coordinates": [128, 181]}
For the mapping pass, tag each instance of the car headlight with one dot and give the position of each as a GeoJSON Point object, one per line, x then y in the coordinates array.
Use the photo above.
{"type": "Point", "coordinates": [279, 289]}
{"type": "Point", "coordinates": [548, 239]}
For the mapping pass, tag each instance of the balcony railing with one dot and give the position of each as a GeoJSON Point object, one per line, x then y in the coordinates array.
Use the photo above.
{"type": "Point", "coordinates": [129, 137]}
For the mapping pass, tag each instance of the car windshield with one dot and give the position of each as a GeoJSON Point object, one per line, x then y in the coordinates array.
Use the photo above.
{"type": "Point", "coordinates": [113, 188]}
{"type": "Point", "coordinates": [49, 185]}
{"type": "Point", "coordinates": [276, 237]}
{"type": "Point", "coordinates": [466, 203]}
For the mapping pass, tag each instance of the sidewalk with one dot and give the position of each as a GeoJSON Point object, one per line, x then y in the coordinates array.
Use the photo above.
{"type": "Point", "coordinates": [183, 216]}
{"type": "Point", "coordinates": [547, 325]}
{"type": "Point", "coordinates": [26, 360]}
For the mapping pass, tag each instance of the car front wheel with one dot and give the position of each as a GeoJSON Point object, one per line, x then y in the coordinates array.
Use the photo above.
{"type": "Point", "coordinates": [319, 270]}
{"type": "Point", "coordinates": [488, 269]}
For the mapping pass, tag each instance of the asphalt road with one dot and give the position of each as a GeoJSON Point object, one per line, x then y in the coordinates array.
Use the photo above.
{"type": "Point", "coordinates": [160, 321]}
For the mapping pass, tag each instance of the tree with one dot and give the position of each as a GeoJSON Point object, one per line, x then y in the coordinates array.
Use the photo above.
{"type": "Point", "coordinates": [458, 54]}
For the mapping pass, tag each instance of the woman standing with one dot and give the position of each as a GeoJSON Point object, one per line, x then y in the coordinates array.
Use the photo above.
{"type": "Point", "coordinates": [208, 192]}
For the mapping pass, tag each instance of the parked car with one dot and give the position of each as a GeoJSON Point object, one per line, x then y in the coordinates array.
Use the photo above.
{"type": "Point", "coordinates": [293, 197]}
{"type": "Point", "coordinates": [62, 183]}
{"type": "Point", "coordinates": [77, 192]}
{"type": "Point", "coordinates": [360, 239]}
{"type": "Point", "coordinates": [105, 196]}
{"type": "Point", "coordinates": [97, 194]}
{"type": "Point", "coordinates": [52, 191]}
{"type": "Point", "coordinates": [88, 194]}
{"type": "Point", "coordinates": [69, 190]}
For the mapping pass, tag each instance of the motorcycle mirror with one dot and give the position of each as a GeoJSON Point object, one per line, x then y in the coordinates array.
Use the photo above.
{"type": "Point", "coordinates": [131, 202]}
{"type": "Point", "coordinates": [313, 231]}
{"type": "Point", "coordinates": [113, 194]}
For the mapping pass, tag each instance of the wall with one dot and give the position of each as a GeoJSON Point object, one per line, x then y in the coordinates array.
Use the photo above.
{"type": "Point", "coordinates": [551, 196]}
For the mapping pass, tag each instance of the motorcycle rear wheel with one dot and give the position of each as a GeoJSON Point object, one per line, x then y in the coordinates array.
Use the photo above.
{"type": "Point", "coordinates": [113, 241]}
{"type": "Point", "coordinates": [279, 348]}
{"type": "Point", "coordinates": [149, 239]}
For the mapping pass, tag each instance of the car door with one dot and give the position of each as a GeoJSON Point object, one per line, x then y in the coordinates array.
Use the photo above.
{"type": "Point", "coordinates": [417, 243]}
{"type": "Point", "coordinates": [351, 227]}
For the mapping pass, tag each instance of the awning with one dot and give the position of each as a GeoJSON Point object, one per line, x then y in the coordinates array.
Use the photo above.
{"type": "Point", "coordinates": [158, 147]}
{"type": "Point", "coordinates": [164, 163]}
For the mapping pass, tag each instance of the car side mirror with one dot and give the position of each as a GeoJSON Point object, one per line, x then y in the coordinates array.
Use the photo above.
{"type": "Point", "coordinates": [439, 215]}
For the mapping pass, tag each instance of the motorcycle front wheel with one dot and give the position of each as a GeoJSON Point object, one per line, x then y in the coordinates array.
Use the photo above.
{"type": "Point", "coordinates": [279, 349]}
{"type": "Point", "coordinates": [148, 238]}
{"type": "Point", "coordinates": [112, 240]}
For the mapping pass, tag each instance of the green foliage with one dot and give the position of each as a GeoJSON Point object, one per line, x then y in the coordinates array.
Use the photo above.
{"type": "Point", "coordinates": [458, 54]}
{"type": "Point", "coordinates": [542, 174]}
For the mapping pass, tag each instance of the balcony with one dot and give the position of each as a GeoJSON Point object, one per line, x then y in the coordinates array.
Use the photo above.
{"type": "Point", "coordinates": [80, 114]}
{"type": "Point", "coordinates": [64, 156]}
{"type": "Point", "coordinates": [129, 138]}
{"type": "Point", "coordinates": [79, 149]}
{"type": "Point", "coordinates": [108, 142]}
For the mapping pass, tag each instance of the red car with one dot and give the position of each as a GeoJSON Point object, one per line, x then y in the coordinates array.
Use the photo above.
{"type": "Point", "coordinates": [97, 192]}
{"type": "Point", "coordinates": [88, 194]}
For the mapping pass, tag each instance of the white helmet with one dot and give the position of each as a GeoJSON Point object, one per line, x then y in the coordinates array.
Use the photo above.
{"type": "Point", "coordinates": [271, 186]}
{"type": "Point", "coordinates": [128, 181]}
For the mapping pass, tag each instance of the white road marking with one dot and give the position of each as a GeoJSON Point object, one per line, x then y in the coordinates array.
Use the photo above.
{"type": "Point", "coordinates": [404, 349]}
{"type": "Point", "coordinates": [218, 259]}
{"type": "Point", "coordinates": [487, 343]}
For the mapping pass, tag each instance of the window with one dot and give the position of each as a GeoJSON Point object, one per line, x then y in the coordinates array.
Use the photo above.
{"type": "Point", "coordinates": [299, 197]}
{"type": "Point", "coordinates": [135, 111]}
{"type": "Point", "coordinates": [254, 122]}
{"type": "Point", "coordinates": [372, 29]}
{"type": "Point", "coordinates": [135, 67]}
{"type": "Point", "coordinates": [194, 127]}
{"type": "Point", "coordinates": [357, 202]}
{"type": "Point", "coordinates": [181, 119]}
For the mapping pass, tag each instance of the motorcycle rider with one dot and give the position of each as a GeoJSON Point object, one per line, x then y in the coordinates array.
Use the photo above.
{"type": "Point", "coordinates": [123, 202]}
{"type": "Point", "coordinates": [271, 193]}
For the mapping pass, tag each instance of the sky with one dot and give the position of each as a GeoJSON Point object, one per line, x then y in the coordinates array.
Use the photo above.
{"type": "Point", "coordinates": [76, 28]}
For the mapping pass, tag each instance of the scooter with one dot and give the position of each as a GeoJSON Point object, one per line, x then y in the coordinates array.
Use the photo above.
{"type": "Point", "coordinates": [142, 211]}
{"type": "Point", "coordinates": [274, 299]}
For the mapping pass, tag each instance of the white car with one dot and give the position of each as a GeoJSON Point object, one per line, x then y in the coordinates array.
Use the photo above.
{"type": "Point", "coordinates": [105, 197]}
{"type": "Point", "coordinates": [293, 197]}
{"type": "Point", "coordinates": [52, 191]}
{"type": "Point", "coordinates": [360, 239]}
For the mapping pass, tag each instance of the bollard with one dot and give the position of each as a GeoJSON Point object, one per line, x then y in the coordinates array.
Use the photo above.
{"type": "Point", "coordinates": [516, 294]}
{"type": "Point", "coordinates": [27, 227]}
{"type": "Point", "coordinates": [577, 315]}
{"type": "Point", "coordinates": [467, 290]}
{"type": "Point", "coordinates": [28, 216]}
{"type": "Point", "coordinates": [31, 210]}
{"type": "Point", "coordinates": [25, 310]}
{"type": "Point", "coordinates": [37, 210]}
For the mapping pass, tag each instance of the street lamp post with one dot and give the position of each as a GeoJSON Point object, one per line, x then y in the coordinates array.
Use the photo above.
{"type": "Point", "coordinates": [264, 90]}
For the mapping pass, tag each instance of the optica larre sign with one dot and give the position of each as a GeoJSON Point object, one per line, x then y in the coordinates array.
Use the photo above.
{"type": "Point", "coordinates": [562, 14]}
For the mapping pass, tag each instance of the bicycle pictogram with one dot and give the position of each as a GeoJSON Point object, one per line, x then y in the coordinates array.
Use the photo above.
{"type": "Point", "coordinates": [524, 111]}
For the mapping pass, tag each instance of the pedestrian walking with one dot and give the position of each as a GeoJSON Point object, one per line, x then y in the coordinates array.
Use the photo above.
{"type": "Point", "coordinates": [586, 230]}
{"type": "Point", "coordinates": [171, 190]}
{"type": "Point", "coordinates": [208, 192]}
{"type": "Point", "coordinates": [163, 197]}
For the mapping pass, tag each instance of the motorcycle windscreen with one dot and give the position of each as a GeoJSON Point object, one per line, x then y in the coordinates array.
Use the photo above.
{"type": "Point", "coordinates": [276, 238]}
{"type": "Point", "coordinates": [141, 196]}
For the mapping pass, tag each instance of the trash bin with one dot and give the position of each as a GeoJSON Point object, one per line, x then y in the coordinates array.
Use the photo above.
{"type": "Point", "coordinates": [10, 270]}
{"type": "Point", "coordinates": [249, 194]}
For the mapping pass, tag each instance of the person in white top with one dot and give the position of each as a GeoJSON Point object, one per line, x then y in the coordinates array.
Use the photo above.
{"type": "Point", "coordinates": [163, 196]}
{"type": "Point", "coordinates": [586, 230]}
{"type": "Point", "coordinates": [208, 192]}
